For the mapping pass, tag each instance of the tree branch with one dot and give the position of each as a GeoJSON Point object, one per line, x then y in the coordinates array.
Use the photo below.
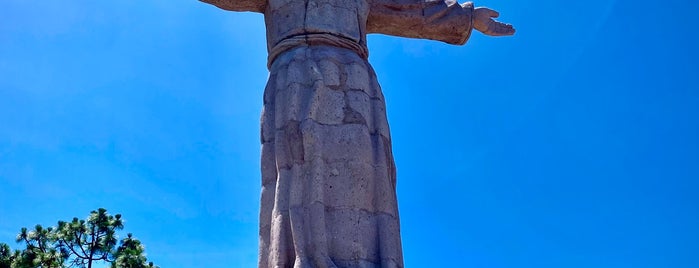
{"type": "Point", "coordinates": [71, 249]}
{"type": "Point", "coordinates": [79, 236]}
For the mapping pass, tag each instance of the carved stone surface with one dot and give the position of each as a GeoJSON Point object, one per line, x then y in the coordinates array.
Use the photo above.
{"type": "Point", "coordinates": [329, 198]}
{"type": "Point", "coordinates": [328, 176]}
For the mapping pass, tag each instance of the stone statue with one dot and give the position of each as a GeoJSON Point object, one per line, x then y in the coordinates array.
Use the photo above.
{"type": "Point", "coordinates": [328, 176]}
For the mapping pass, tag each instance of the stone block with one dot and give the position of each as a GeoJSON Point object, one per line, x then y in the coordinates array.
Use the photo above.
{"type": "Point", "coordinates": [380, 122]}
{"type": "Point", "coordinates": [358, 78]}
{"type": "Point", "coordinates": [336, 143]}
{"type": "Point", "coordinates": [267, 204]}
{"type": "Point", "coordinates": [388, 229]}
{"type": "Point", "coordinates": [292, 104]}
{"type": "Point", "coordinates": [326, 14]}
{"type": "Point", "coordinates": [327, 106]}
{"type": "Point", "coordinates": [316, 174]}
{"type": "Point", "coordinates": [287, 19]}
{"type": "Point", "coordinates": [301, 72]}
{"type": "Point", "coordinates": [353, 235]}
{"type": "Point", "coordinates": [352, 187]}
{"type": "Point", "coordinates": [360, 103]}
{"type": "Point", "coordinates": [267, 125]}
{"type": "Point", "coordinates": [331, 73]}
{"type": "Point", "coordinates": [268, 164]}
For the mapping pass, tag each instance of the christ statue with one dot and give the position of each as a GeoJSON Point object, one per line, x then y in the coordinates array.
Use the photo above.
{"type": "Point", "coordinates": [328, 177]}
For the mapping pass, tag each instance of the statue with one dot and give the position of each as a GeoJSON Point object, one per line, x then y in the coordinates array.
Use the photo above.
{"type": "Point", "coordinates": [328, 176]}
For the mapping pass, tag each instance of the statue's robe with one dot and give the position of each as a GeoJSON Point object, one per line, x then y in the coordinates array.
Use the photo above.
{"type": "Point", "coordinates": [328, 176]}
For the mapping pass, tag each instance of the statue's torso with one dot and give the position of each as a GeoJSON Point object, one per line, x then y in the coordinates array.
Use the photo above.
{"type": "Point", "coordinates": [343, 18]}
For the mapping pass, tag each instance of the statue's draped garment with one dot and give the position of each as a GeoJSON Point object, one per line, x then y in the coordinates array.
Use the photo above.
{"type": "Point", "coordinates": [328, 176]}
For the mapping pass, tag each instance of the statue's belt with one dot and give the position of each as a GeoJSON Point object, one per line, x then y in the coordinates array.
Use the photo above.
{"type": "Point", "coordinates": [315, 39]}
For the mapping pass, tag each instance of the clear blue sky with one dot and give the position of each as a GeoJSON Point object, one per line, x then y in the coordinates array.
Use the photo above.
{"type": "Point", "coordinates": [573, 144]}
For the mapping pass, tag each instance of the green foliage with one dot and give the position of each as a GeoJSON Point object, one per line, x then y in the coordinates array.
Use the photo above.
{"type": "Point", "coordinates": [78, 243]}
{"type": "Point", "coordinates": [91, 240]}
{"type": "Point", "coordinates": [130, 254]}
{"type": "Point", "coordinates": [5, 256]}
{"type": "Point", "coordinates": [40, 250]}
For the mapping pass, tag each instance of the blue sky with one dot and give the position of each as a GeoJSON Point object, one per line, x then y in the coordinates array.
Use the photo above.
{"type": "Point", "coordinates": [573, 144]}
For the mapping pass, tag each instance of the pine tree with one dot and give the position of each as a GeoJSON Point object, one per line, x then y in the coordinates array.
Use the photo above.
{"type": "Point", "coordinates": [78, 243]}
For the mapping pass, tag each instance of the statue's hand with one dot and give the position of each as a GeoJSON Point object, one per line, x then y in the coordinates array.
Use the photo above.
{"type": "Point", "coordinates": [483, 22]}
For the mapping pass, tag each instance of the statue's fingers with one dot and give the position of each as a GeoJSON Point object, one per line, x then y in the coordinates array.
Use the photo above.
{"type": "Point", "coordinates": [505, 28]}
{"type": "Point", "coordinates": [501, 29]}
{"type": "Point", "coordinates": [508, 29]}
{"type": "Point", "coordinates": [493, 13]}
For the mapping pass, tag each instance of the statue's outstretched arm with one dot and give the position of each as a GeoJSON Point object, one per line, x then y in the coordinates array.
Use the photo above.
{"type": "Point", "coordinates": [239, 5]}
{"type": "Point", "coordinates": [443, 20]}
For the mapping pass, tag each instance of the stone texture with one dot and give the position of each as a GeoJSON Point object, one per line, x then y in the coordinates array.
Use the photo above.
{"type": "Point", "coordinates": [334, 201]}
{"type": "Point", "coordinates": [443, 20]}
{"type": "Point", "coordinates": [328, 176]}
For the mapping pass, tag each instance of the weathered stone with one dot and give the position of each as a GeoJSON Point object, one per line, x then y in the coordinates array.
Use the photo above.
{"type": "Point", "coordinates": [283, 20]}
{"type": "Point", "coordinates": [380, 122]}
{"type": "Point", "coordinates": [326, 14]}
{"type": "Point", "coordinates": [390, 248]}
{"type": "Point", "coordinates": [269, 163]}
{"type": "Point", "coordinates": [331, 73]}
{"type": "Point", "coordinates": [353, 117]}
{"type": "Point", "coordinates": [316, 171]}
{"type": "Point", "coordinates": [358, 240]}
{"type": "Point", "coordinates": [353, 187]}
{"type": "Point", "coordinates": [328, 106]}
{"type": "Point", "coordinates": [336, 143]}
{"type": "Point", "coordinates": [267, 128]}
{"type": "Point", "coordinates": [288, 150]}
{"type": "Point", "coordinates": [334, 172]}
{"type": "Point", "coordinates": [328, 177]}
{"type": "Point", "coordinates": [292, 104]}
{"type": "Point", "coordinates": [268, 96]}
{"type": "Point", "coordinates": [267, 197]}
{"type": "Point", "coordinates": [359, 78]}
{"type": "Point", "coordinates": [360, 106]}
{"type": "Point", "coordinates": [302, 73]}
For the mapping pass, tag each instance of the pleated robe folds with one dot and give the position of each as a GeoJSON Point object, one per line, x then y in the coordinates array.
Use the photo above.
{"type": "Point", "coordinates": [328, 176]}
{"type": "Point", "coordinates": [328, 193]}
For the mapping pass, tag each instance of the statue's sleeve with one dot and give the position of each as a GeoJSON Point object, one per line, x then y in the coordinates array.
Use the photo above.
{"type": "Point", "coordinates": [239, 5]}
{"type": "Point", "coordinates": [442, 20]}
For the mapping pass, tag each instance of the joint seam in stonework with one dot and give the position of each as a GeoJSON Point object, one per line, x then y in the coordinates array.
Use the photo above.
{"type": "Point", "coordinates": [372, 261]}
{"type": "Point", "coordinates": [319, 123]}
{"type": "Point", "coordinates": [311, 84]}
{"type": "Point", "coordinates": [369, 260]}
{"type": "Point", "coordinates": [305, 14]}
{"type": "Point", "coordinates": [335, 6]}
{"type": "Point", "coordinates": [377, 132]}
{"type": "Point", "coordinates": [364, 91]}
{"type": "Point", "coordinates": [359, 25]}
{"type": "Point", "coordinates": [334, 61]}
{"type": "Point", "coordinates": [329, 208]}
{"type": "Point", "coordinates": [326, 162]}
{"type": "Point", "coordinates": [352, 116]}
{"type": "Point", "coordinates": [391, 260]}
{"type": "Point", "coordinates": [373, 213]}
{"type": "Point", "coordinates": [268, 142]}
{"type": "Point", "coordinates": [334, 87]}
